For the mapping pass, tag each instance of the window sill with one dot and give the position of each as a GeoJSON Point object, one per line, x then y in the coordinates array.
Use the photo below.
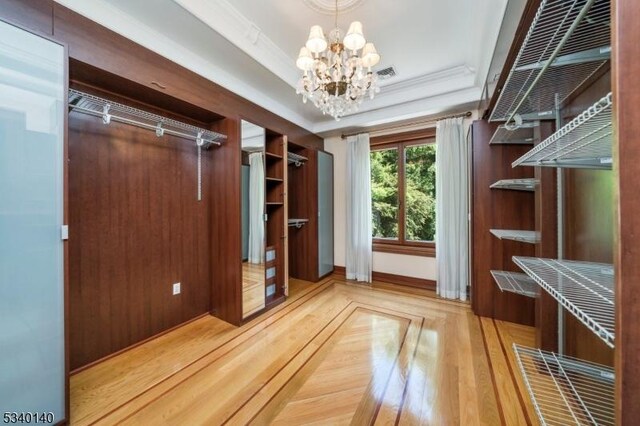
{"type": "Point", "coordinates": [411, 250]}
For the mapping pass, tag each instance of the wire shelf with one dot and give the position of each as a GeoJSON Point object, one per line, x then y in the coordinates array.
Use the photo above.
{"type": "Point", "coordinates": [298, 223]}
{"type": "Point", "coordinates": [295, 159]}
{"type": "Point", "coordinates": [522, 135]}
{"type": "Point", "coordinates": [583, 288]}
{"type": "Point", "coordinates": [515, 282]}
{"type": "Point", "coordinates": [528, 184]}
{"type": "Point", "coordinates": [568, 42]}
{"type": "Point", "coordinates": [566, 390]}
{"type": "Point", "coordinates": [585, 142]}
{"type": "Point", "coordinates": [109, 110]}
{"type": "Point", "coordinates": [531, 237]}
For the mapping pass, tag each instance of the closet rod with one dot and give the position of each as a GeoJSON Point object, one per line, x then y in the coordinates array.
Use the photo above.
{"type": "Point", "coordinates": [140, 124]}
{"type": "Point", "coordinates": [433, 120]}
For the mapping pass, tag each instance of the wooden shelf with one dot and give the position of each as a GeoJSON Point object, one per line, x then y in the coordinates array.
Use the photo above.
{"type": "Point", "coordinates": [273, 179]}
{"type": "Point", "coordinates": [272, 155]}
{"type": "Point", "coordinates": [275, 203]}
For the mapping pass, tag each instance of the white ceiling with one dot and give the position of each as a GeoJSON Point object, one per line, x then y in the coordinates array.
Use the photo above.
{"type": "Point", "coordinates": [440, 49]}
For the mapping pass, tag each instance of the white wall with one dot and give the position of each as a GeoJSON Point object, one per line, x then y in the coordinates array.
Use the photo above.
{"type": "Point", "coordinates": [398, 264]}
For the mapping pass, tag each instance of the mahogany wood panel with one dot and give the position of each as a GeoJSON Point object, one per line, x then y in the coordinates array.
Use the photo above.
{"type": "Point", "coordinates": [626, 152]}
{"type": "Point", "coordinates": [500, 209]}
{"type": "Point", "coordinates": [588, 226]}
{"type": "Point", "coordinates": [135, 229]}
{"type": "Point", "coordinates": [546, 202]}
{"type": "Point", "coordinates": [226, 225]}
{"type": "Point", "coordinates": [303, 204]}
{"type": "Point", "coordinates": [36, 15]}
{"type": "Point", "coordinates": [104, 49]}
{"type": "Point", "coordinates": [276, 229]}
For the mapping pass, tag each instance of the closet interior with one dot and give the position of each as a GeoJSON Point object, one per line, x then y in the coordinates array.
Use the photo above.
{"type": "Point", "coordinates": [543, 209]}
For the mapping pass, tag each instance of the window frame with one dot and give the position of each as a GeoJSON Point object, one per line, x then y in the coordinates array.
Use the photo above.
{"type": "Point", "coordinates": [401, 141]}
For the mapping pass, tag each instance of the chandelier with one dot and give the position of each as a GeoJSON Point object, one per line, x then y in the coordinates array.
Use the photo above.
{"type": "Point", "coordinates": [337, 74]}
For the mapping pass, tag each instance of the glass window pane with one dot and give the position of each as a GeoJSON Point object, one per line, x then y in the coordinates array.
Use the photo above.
{"type": "Point", "coordinates": [420, 192]}
{"type": "Point", "coordinates": [384, 193]}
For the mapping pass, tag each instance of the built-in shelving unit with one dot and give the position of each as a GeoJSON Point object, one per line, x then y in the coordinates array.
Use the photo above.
{"type": "Point", "coordinates": [584, 142]}
{"type": "Point", "coordinates": [566, 390]}
{"type": "Point", "coordinates": [568, 42]}
{"type": "Point", "coordinates": [521, 135]}
{"type": "Point", "coordinates": [583, 288]}
{"type": "Point", "coordinates": [515, 282]}
{"type": "Point", "coordinates": [531, 237]}
{"type": "Point", "coordinates": [296, 159]}
{"type": "Point", "coordinates": [527, 184]}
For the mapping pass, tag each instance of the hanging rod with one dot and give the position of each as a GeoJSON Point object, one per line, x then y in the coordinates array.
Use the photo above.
{"type": "Point", "coordinates": [114, 111]}
{"type": "Point", "coordinates": [298, 223]}
{"type": "Point", "coordinates": [409, 126]}
{"type": "Point", "coordinates": [295, 159]}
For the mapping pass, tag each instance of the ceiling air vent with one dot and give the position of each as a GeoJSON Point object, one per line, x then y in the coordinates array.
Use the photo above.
{"type": "Point", "coordinates": [386, 73]}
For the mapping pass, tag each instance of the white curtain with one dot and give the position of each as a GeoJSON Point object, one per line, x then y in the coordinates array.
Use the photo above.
{"type": "Point", "coordinates": [256, 208]}
{"type": "Point", "coordinates": [359, 256]}
{"type": "Point", "coordinates": [452, 232]}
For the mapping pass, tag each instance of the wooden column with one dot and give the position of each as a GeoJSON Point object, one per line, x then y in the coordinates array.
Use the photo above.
{"type": "Point", "coordinates": [626, 152]}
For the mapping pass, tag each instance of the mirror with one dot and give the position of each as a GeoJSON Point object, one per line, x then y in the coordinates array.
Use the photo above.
{"type": "Point", "coordinates": [253, 224]}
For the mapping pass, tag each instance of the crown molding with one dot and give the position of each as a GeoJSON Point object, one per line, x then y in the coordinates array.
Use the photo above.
{"type": "Point", "coordinates": [404, 111]}
{"type": "Point", "coordinates": [222, 17]}
{"type": "Point", "coordinates": [116, 20]}
{"type": "Point", "coordinates": [438, 77]}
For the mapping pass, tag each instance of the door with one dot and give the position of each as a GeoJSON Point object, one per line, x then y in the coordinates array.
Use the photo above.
{"type": "Point", "coordinates": [325, 213]}
{"type": "Point", "coordinates": [32, 129]}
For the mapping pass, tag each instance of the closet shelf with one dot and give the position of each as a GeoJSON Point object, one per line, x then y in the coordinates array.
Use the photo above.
{"type": "Point", "coordinates": [584, 142]}
{"type": "Point", "coordinates": [296, 159]}
{"type": "Point", "coordinates": [273, 179]}
{"type": "Point", "coordinates": [273, 155]}
{"type": "Point", "coordinates": [515, 282]}
{"type": "Point", "coordinates": [566, 390]}
{"type": "Point", "coordinates": [568, 42]}
{"type": "Point", "coordinates": [522, 135]}
{"type": "Point", "coordinates": [275, 203]}
{"type": "Point", "coordinates": [531, 237]}
{"type": "Point", "coordinates": [114, 111]}
{"type": "Point", "coordinates": [583, 288]}
{"type": "Point", "coordinates": [298, 223]}
{"type": "Point", "coordinates": [517, 184]}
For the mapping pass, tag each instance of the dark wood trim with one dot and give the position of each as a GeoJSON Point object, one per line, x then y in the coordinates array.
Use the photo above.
{"type": "Point", "coordinates": [135, 345]}
{"type": "Point", "coordinates": [413, 135]}
{"type": "Point", "coordinates": [425, 249]}
{"type": "Point", "coordinates": [393, 279]}
{"type": "Point", "coordinates": [626, 166]}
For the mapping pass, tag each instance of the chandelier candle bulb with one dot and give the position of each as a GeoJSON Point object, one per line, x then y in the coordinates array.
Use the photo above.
{"type": "Point", "coordinates": [337, 73]}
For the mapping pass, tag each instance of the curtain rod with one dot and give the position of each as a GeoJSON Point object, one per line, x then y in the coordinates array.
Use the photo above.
{"type": "Point", "coordinates": [415, 123]}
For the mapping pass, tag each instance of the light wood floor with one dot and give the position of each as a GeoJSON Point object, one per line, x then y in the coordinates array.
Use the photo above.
{"type": "Point", "coordinates": [253, 291]}
{"type": "Point", "coordinates": [334, 353]}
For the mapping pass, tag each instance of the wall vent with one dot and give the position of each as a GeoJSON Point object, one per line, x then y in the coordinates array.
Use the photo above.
{"type": "Point", "coordinates": [386, 73]}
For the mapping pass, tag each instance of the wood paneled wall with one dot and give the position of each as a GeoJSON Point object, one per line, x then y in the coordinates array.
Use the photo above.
{"type": "Point", "coordinates": [499, 209]}
{"type": "Point", "coordinates": [135, 229]}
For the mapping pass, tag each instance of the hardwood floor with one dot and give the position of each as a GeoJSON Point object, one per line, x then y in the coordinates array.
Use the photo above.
{"type": "Point", "coordinates": [253, 292]}
{"type": "Point", "coordinates": [334, 353]}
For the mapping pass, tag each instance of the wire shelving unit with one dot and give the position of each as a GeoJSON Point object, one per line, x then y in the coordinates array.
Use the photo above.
{"type": "Point", "coordinates": [527, 184]}
{"type": "Point", "coordinates": [585, 289]}
{"type": "Point", "coordinates": [584, 142]}
{"type": "Point", "coordinates": [515, 282]}
{"type": "Point", "coordinates": [531, 237]}
{"type": "Point", "coordinates": [568, 42]}
{"type": "Point", "coordinates": [296, 159]}
{"type": "Point", "coordinates": [522, 135]}
{"type": "Point", "coordinates": [298, 223]}
{"type": "Point", "coordinates": [114, 111]}
{"type": "Point", "coordinates": [566, 390]}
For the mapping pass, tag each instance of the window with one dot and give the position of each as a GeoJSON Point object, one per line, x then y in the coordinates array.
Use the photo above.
{"type": "Point", "coordinates": [403, 196]}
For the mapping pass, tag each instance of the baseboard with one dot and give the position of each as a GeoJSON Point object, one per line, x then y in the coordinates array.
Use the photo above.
{"type": "Point", "coordinates": [394, 279]}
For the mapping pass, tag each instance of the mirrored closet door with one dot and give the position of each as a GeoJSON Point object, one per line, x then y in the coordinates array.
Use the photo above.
{"type": "Point", "coordinates": [253, 215]}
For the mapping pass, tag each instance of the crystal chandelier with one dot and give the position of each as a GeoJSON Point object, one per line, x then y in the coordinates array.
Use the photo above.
{"type": "Point", "coordinates": [337, 74]}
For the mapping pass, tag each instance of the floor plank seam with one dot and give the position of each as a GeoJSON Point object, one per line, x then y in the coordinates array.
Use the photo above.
{"type": "Point", "coordinates": [493, 378]}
